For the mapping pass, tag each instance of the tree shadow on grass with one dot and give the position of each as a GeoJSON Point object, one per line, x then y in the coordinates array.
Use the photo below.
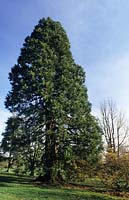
{"type": "Point", "coordinates": [11, 178]}
{"type": "Point", "coordinates": [3, 185]}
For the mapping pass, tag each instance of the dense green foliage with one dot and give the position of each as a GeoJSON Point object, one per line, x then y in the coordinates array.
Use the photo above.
{"type": "Point", "coordinates": [49, 96]}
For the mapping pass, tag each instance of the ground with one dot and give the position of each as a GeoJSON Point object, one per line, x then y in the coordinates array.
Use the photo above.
{"type": "Point", "coordinates": [23, 188]}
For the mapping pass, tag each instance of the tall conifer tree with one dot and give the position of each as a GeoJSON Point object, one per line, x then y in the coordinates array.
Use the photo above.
{"type": "Point", "coordinates": [49, 86]}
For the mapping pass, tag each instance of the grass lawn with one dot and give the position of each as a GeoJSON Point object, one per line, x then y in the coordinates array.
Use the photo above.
{"type": "Point", "coordinates": [22, 188]}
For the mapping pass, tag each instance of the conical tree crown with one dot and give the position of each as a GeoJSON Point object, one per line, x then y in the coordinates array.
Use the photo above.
{"type": "Point", "coordinates": [45, 69]}
{"type": "Point", "coordinates": [47, 35]}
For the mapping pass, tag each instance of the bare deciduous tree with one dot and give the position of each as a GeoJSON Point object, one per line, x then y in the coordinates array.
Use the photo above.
{"type": "Point", "coordinates": [114, 126]}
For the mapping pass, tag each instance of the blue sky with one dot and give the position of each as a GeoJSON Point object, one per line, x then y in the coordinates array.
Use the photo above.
{"type": "Point", "coordinates": [98, 31]}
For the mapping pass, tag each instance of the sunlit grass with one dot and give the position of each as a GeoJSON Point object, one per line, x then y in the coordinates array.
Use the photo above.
{"type": "Point", "coordinates": [22, 188]}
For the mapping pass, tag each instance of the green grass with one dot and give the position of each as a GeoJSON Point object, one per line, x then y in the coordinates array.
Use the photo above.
{"type": "Point", "coordinates": [22, 188]}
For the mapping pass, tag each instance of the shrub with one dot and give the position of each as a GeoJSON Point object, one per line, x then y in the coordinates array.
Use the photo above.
{"type": "Point", "coordinates": [114, 171]}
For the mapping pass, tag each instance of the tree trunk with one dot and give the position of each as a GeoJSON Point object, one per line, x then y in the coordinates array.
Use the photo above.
{"type": "Point", "coordinates": [50, 153]}
{"type": "Point", "coordinates": [32, 165]}
{"type": "Point", "coordinates": [9, 163]}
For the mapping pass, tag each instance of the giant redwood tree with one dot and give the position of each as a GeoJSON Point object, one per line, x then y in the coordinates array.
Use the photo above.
{"type": "Point", "coordinates": [48, 87]}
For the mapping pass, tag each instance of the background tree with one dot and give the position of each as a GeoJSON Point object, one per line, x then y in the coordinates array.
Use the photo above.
{"type": "Point", "coordinates": [10, 141]}
{"type": "Point", "coordinates": [114, 126]}
{"type": "Point", "coordinates": [21, 143]}
{"type": "Point", "coordinates": [47, 85]}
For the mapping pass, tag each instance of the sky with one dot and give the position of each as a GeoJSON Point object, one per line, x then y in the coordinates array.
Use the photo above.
{"type": "Point", "coordinates": [98, 31]}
